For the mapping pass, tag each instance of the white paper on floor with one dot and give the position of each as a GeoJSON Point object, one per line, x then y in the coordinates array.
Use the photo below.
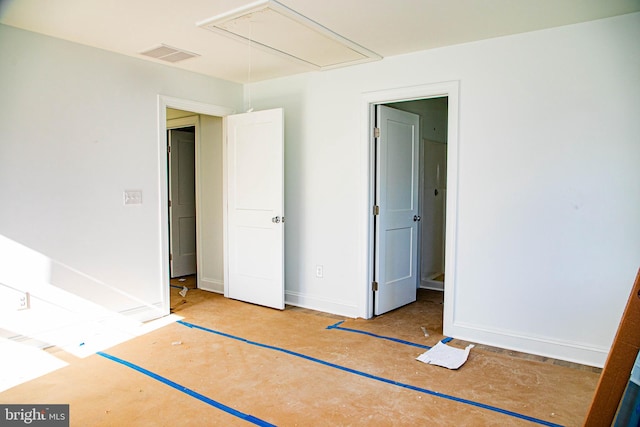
{"type": "Point", "coordinates": [445, 356]}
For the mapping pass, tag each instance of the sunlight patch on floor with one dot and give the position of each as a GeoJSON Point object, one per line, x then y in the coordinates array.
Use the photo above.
{"type": "Point", "coordinates": [29, 363]}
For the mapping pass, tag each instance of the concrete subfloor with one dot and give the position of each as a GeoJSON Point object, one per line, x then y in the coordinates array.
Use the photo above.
{"type": "Point", "coordinates": [287, 368]}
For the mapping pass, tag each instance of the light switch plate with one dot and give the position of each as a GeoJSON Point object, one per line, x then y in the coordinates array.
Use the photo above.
{"type": "Point", "coordinates": [133, 197]}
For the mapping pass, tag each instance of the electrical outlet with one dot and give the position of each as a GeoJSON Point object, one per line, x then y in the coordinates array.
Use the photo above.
{"type": "Point", "coordinates": [133, 197]}
{"type": "Point", "coordinates": [319, 271]}
{"type": "Point", "coordinates": [24, 301]}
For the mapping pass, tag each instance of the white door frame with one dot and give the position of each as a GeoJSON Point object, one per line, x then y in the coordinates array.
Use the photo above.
{"type": "Point", "coordinates": [369, 101]}
{"type": "Point", "coordinates": [196, 107]}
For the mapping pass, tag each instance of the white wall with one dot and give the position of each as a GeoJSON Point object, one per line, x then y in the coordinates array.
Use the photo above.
{"type": "Point", "coordinates": [78, 127]}
{"type": "Point", "coordinates": [549, 184]}
{"type": "Point", "coordinates": [435, 120]}
{"type": "Point", "coordinates": [211, 266]}
{"type": "Point", "coordinates": [432, 225]}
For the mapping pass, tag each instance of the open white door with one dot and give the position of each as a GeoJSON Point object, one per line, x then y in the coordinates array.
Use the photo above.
{"type": "Point", "coordinates": [255, 206]}
{"type": "Point", "coordinates": [396, 235]}
{"type": "Point", "coordinates": [182, 205]}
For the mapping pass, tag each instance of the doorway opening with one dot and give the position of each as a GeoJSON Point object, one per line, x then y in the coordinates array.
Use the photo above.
{"type": "Point", "coordinates": [410, 191]}
{"type": "Point", "coordinates": [181, 159]}
{"type": "Point", "coordinates": [435, 166]}
{"type": "Point", "coordinates": [433, 114]}
{"type": "Point", "coordinates": [223, 173]}
{"type": "Point", "coordinates": [205, 188]}
{"type": "Point", "coordinates": [195, 198]}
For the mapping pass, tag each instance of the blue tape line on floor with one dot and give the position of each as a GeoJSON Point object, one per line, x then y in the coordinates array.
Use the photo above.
{"type": "Point", "coordinates": [373, 377]}
{"type": "Point", "coordinates": [175, 286]}
{"type": "Point", "coordinates": [337, 326]}
{"type": "Point", "coordinates": [205, 399]}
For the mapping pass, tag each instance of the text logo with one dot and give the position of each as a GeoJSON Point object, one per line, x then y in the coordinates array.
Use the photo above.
{"type": "Point", "coordinates": [34, 415]}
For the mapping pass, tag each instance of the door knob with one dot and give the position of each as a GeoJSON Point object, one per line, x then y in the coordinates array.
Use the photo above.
{"type": "Point", "coordinates": [416, 218]}
{"type": "Point", "coordinates": [275, 219]}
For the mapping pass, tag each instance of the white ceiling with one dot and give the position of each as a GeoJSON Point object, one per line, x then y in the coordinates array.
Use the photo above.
{"type": "Point", "coordinates": [386, 27]}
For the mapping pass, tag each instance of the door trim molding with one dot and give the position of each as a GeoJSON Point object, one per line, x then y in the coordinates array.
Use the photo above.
{"type": "Point", "coordinates": [183, 122]}
{"type": "Point", "coordinates": [369, 100]}
{"type": "Point", "coordinates": [196, 107]}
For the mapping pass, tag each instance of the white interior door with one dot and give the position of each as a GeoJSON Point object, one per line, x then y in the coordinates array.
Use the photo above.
{"type": "Point", "coordinates": [255, 206]}
{"type": "Point", "coordinates": [182, 209]}
{"type": "Point", "coordinates": [396, 250]}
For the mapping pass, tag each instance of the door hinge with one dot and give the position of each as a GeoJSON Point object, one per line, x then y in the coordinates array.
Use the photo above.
{"type": "Point", "coordinates": [374, 286]}
{"type": "Point", "coordinates": [169, 203]}
{"type": "Point", "coordinates": [170, 257]}
{"type": "Point", "coordinates": [376, 210]}
{"type": "Point", "coordinates": [168, 149]}
{"type": "Point", "coordinates": [376, 132]}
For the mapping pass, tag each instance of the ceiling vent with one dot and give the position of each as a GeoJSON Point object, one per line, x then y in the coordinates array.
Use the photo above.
{"type": "Point", "coordinates": [169, 54]}
{"type": "Point", "coordinates": [273, 27]}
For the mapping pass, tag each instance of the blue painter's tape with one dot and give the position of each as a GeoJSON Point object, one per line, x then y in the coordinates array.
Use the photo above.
{"type": "Point", "coordinates": [446, 340]}
{"type": "Point", "coordinates": [176, 286]}
{"type": "Point", "coordinates": [374, 377]}
{"type": "Point", "coordinates": [203, 398]}
{"type": "Point", "coordinates": [340, 328]}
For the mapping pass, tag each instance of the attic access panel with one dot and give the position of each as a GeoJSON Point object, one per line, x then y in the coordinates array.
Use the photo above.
{"type": "Point", "coordinates": [273, 27]}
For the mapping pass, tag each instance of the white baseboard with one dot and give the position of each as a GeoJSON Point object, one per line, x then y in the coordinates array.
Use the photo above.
{"type": "Point", "coordinates": [145, 313]}
{"type": "Point", "coordinates": [321, 304]}
{"type": "Point", "coordinates": [211, 285]}
{"type": "Point", "coordinates": [431, 284]}
{"type": "Point", "coordinates": [542, 346]}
